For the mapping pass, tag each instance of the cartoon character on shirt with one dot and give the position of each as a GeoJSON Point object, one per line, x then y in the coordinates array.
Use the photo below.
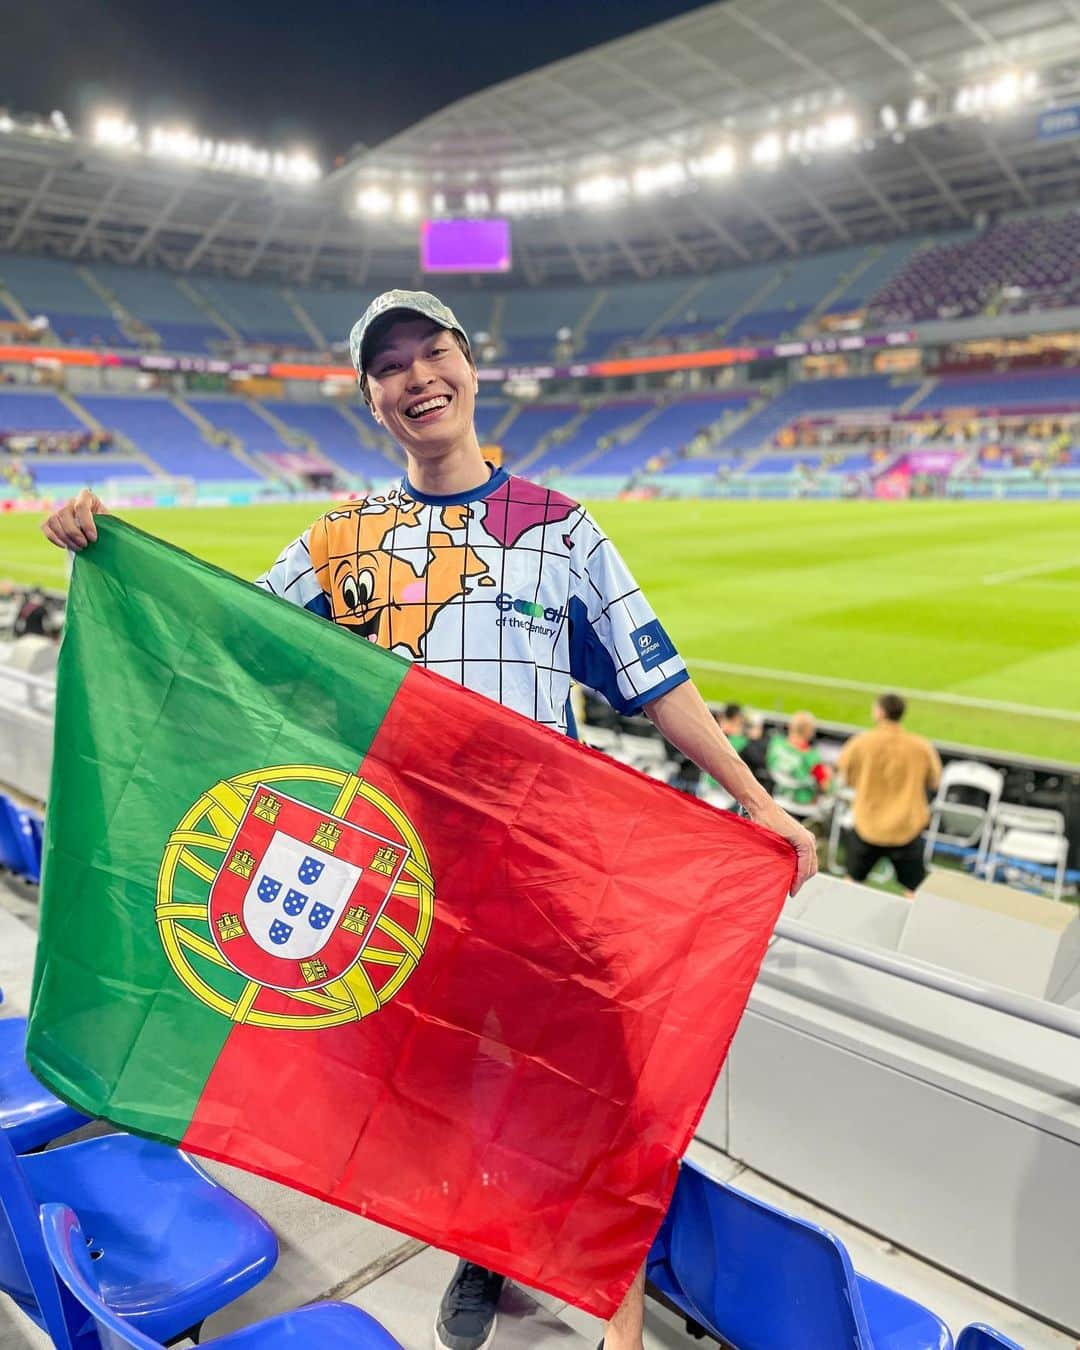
{"type": "Point", "coordinates": [378, 593]}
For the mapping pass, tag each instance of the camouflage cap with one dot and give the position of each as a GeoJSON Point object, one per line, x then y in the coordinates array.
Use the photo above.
{"type": "Point", "coordinates": [421, 303]}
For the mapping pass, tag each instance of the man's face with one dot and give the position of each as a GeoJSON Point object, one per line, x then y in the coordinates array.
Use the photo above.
{"type": "Point", "coordinates": [423, 389]}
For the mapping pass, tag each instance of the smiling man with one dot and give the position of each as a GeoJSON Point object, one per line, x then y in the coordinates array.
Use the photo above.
{"type": "Point", "coordinates": [505, 586]}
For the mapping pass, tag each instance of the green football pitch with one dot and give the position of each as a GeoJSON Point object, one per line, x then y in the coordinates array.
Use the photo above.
{"type": "Point", "coordinates": [972, 610]}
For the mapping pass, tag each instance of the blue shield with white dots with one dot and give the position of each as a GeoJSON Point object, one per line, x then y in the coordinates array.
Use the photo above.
{"type": "Point", "coordinates": [295, 900]}
{"type": "Point", "coordinates": [311, 869]}
{"type": "Point", "coordinates": [294, 903]}
{"type": "Point", "coordinates": [280, 932]}
{"type": "Point", "coordinates": [269, 889]}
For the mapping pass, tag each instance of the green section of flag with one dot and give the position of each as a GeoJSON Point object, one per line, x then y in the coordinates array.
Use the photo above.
{"type": "Point", "coordinates": [173, 676]}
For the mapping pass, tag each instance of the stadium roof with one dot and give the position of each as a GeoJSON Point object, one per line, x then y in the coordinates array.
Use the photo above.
{"type": "Point", "coordinates": [745, 130]}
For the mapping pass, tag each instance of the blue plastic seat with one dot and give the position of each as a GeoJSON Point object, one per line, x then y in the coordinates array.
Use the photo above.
{"type": "Point", "coordinates": [978, 1336]}
{"type": "Point", "coordinates": [20, 848]}
{"type": "Point", "coordinates": [323, 1326]}
{"type": "Point", "coordinates": [30, 1115]}
{"type": "Point", "coordinates": [173, 1245]}
{"type": "Point", "coordinates": [760, 1279]}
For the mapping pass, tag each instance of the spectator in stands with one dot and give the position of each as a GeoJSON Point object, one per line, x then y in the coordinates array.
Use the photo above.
{"type": "Point", "coordinates": [746, 735]}
{"type": "Point", "coordinates": [418, 377]}
{"type": "Point", "coordinates": [732, 723]}
{"type": "Point", "coordinates": [33, 616]}
{"type": "Point", "coordinates": [754, 753]}
{"type": "Point", "coordinates": [796, 766]}
{"type": "Point", "coordinates": [892, 772]}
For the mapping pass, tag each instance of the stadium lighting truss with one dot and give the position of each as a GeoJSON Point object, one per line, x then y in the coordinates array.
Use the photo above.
{"type": "Point", "coordinates": [740, 131]}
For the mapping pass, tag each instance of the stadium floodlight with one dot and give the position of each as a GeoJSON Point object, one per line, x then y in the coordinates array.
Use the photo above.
{"type": "Point", "coordinates": [114, 130]}
{"type": "Point", "coordinates": [999, 94]}
{"type": "Point", "coordinates": [7, 122]}
{"type": "Point", "coordinates": [601, 190]}
{"type": "Point", "coordinates": [890, 119]}
{"type": "Point", "coordinates": [296, 166]}
{"type": "Point", "coordinates": [840, 130]}
{"type": "Point", "coordinates": [374, 200]}
{"type": "Point", "coordinates": [477, 203]}
{"type": "Point", "coordinates": [408, 204]}
{"type": "Point", "coordinates": [177, 142]}
{"type": "Point", "coordinates": [767, 150]}
{"type": "Point", "coordinates": [716, 163]}
{"type": "Point", "coordinates": [918, 111]}
{"type": "Point", "coordinates": [652, 178]}
{"type": "Point", "coordinates": [525, 201]}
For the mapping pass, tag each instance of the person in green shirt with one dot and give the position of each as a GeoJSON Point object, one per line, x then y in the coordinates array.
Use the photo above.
{"type": "Point", "coordinates": [795, 765]}
{"type": "Point", "coordinates": [733, 725]}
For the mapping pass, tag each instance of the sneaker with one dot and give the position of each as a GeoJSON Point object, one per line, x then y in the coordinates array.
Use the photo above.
{"type": "Point", "coordinates": [466, 1318]}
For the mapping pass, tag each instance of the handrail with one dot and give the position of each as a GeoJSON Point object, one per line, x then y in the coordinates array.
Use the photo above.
{"type": "Point", "coordinates": [1022, 1006]}
{"type": "Point", "coordinates": [35, 682]}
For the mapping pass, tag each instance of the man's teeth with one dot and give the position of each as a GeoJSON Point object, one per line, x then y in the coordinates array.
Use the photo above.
{"type": "Point", "coordinates": [420, 408]}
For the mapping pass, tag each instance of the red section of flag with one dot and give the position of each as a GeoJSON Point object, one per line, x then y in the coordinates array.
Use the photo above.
{"type": "Point", "coordinates": [526, 1096]}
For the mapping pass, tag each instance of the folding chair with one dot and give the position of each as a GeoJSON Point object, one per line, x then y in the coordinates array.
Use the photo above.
{"type": "Point", "coordinates": [323, 1326]}
{"type": "Point", "coordinates": [1031, 840]}
{"type": "Point", "coordinates": [978, 1336]}
{"type": "Point", "coordinates": [751, 1276]}
{"type": "Point", "coordinates": [963, 827]}
{"type": "Point", "coordinates": [30, 1116]}
{"type": "Point", "coordinates": [843, 818]}
{"type": "Point", "coordinates": [173, 1245]}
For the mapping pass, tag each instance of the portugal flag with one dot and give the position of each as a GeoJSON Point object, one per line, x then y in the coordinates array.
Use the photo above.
{"type": "Point", "coordinates": [324, 915]}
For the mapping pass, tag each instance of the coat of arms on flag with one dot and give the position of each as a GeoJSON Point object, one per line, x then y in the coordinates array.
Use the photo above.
{"type": "Point", "coordinates": [320, 899]}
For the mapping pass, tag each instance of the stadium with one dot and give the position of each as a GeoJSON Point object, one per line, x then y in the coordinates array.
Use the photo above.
{"type": "Point", "coordinates": [788, 295]}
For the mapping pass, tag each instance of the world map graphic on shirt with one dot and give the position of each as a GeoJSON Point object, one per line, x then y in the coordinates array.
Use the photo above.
{"type": "Point", "coordinates": [511, 590]}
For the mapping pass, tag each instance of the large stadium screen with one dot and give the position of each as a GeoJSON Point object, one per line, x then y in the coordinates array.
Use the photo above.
{"type": "Point", "coordinates": [465, 246]}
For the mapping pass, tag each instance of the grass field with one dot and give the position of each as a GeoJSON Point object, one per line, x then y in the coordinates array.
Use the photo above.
{"type": "Point", "coordinates": [785, 605]}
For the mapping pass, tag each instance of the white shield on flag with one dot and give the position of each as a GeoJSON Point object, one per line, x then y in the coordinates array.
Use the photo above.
{"type": "Point", "coordinates": [296, 896]}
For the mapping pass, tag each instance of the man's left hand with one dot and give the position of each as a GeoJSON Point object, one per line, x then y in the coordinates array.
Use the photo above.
{"type": "Point", "coordinates": [778, 820]}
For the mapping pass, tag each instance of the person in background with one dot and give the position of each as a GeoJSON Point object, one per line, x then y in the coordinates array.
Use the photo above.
{"type": "Point", "coordinates": [892, 772]}
{"type": "Point", "coordinates": [754, 753]}
{"type": "Point", "coordinates": [796, 767]}
{"type": "Point", "coordinates": [733, 724]}
{"type": "Point", "coordinates": [33, 616]}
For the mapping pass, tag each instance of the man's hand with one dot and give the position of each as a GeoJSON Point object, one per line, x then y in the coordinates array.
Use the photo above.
{"type": "Point", "coordinates": [778, 820]}
{"type": "Point", "coordinates": [73, 525]}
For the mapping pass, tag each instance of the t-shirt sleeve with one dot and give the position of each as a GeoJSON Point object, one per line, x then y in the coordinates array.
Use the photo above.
{"type": "Point", "coordinates": [293, 578]}
{"type": "Point", "coordinates": [618, 646]}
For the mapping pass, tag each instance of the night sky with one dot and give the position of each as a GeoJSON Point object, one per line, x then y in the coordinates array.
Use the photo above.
{"type": "Point", "coordinates": [323, 72]}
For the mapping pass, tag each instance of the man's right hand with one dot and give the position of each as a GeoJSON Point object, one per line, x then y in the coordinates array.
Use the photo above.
{"type": "Point", "coordinates": [73, 525]}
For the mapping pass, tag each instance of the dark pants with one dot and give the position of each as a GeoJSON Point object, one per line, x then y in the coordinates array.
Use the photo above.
{"type": "Point", "coordinates": [907, 859]}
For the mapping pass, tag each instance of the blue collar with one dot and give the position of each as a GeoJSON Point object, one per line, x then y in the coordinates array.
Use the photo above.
{"type": "Point", "coordinates": [497, 478]}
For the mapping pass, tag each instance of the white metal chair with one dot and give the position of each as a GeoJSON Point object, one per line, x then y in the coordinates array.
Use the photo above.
{"type": "Point", "coordinates": [964, 826]}
{"type": "Point", "coordinates": [843, 818]}
{"type": "Point", "coordinates": [1028, 840]}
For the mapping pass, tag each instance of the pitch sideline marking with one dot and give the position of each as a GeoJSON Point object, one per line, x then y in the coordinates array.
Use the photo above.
{"type": "Point", "coordinates": [34, 569]}
{"type": "Point", "coordinates": [996, 578]}
{"type": "Point", "coordinates": [834, 682]}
